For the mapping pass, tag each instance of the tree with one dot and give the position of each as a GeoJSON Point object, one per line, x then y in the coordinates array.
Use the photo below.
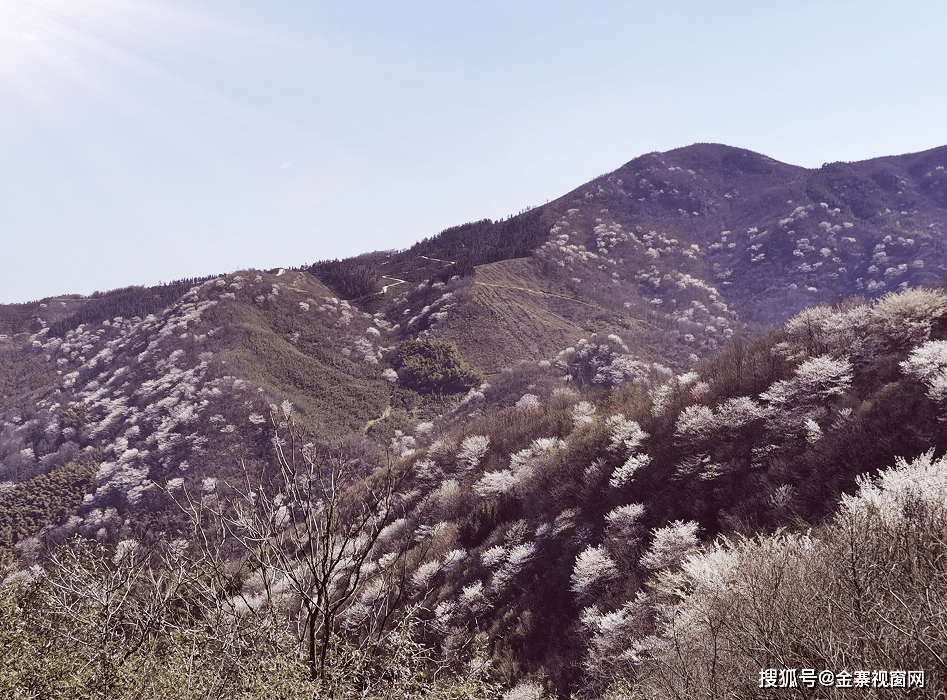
{"type": "Point", "coordinates": [928, 364]}
{"type": "Point", "coordinates": [429, 365]}
{"type": "Point", "coordinates": [136, 621]}
{"type": "Point", "coordinates": [592, 565]}
{"type": "Point", "coordinates": [310, 540]}
{"type": "Point", "coordinates": [165, 620]}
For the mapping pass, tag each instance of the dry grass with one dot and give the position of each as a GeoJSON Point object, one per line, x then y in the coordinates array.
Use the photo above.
{"type": "Point", "coordinates": [514, 315]}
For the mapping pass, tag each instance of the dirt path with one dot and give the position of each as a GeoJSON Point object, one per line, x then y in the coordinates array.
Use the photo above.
{"type": "Point", "coordinates": [449, 262]}
{"type": "Point", "coordinates": [394, 284]}
{"type": "Point", "coordinates": [385, 414]}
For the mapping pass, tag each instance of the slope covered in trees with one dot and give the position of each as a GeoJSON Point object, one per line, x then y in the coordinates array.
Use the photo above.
{"type": "Point", "coordinates": [138, 400]}
{"type": "Point", "coordinates": [674, 252]}
{"type": "Point", "coordinates": [575, 543]}
{"type": "Point", "coordinates": [290, 493]}
{"type": "Point", "coordinates": [460, 248]}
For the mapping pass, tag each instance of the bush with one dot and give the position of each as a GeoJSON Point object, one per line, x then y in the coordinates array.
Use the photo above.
{"type": "Point", "coordinates": [430, 366]}
{"type": "Point", "coordinates": [868, 591]}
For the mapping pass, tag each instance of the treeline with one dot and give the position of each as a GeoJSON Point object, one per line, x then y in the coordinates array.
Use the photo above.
{"type": "Point", "coordinates": [15, 318]}
{"type": "Point", "coordinates": [127, 302]}
{"type": "Point", "coordinates": [463, 247]}
{"type": "Point", "coordinates": [351, 278]}
{"type": "Point", "coordinates": [487, 241]}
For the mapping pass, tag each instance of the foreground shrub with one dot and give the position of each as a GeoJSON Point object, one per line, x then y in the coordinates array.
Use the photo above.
{"type": "Point", "coordinates": [868, 593]}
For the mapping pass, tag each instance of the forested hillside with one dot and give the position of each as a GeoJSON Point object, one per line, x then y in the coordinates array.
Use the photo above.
{"type": "Point", "coordinates": [674, 435]}
{"type": "Point", "coordinates": [561, 542]}
{"type": "Point", "coordinates": [674, 251]}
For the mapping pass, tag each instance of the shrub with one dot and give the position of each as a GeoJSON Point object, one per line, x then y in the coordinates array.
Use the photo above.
{"type": "Point", "coordinates": [430, 366]}
{"type": "Point", "coordinates": [868, 591]}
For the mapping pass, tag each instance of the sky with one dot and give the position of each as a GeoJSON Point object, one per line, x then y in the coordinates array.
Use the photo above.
{"type": "Point", "coordinates": [150, 140]}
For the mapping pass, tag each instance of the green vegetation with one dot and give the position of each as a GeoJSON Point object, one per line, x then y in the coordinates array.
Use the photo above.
{"type": "Point", "coordinates": [22, 373]}
{"type": "Point", "coordinates": [49, 498]}
{"type": "Point", "coordinates": [334, 393]}
{"type": "Point", "coordinates": [569, 542]}
{"type": "Point", "coordinates": [461, 247]}
{"type": "Point", "coordinates": [487, 241]}
{"type": "Point", "coordinates": [615, 518]}
{"type": "Point", "coordinates": [127, 302]}
{"type": "Point", "coordinates": [351, 278]}
{"type": "Point", "coordinates": [293, 356]}
{"type": "Point", "coordinates": [431, 366]}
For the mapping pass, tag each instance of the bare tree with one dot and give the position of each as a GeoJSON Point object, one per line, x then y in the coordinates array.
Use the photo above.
{"type": "Point", "coordinates": [307, 534]}
{"type": "Point", "coordinates": [119, 615]}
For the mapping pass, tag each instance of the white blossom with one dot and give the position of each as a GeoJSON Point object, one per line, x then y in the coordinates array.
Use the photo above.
{"type": "Point", "coordinates": [472, 450]}
{"type": "Point", "coordinates": [626, 471]}
{"type": "Point", "coordinates": [493, 557]}
{"type": "Point", "coordinates": [625, 434]}
{"type": "Point", "coordinates": [671, 544]}
{"type": "Point", "coordinates": [424, 575]}
{"type": "Point", "coordinates": [591, 566]}
{"type": "Point", "coordinates": [928, 365]}
{"type": "Point", "coordinates": [495, 483]}
{"type": "Point", "coordinates": [622, 521]}
{"type": "Point", "coordinates": [582, 414]}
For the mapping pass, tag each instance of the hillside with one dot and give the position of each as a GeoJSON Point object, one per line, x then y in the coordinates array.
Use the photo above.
{"type": "Point", "coordinates": [527, 459]}
{"type": "Point", "coordinates": [183, 392]}
{"type": "Point", "coordinates": [685, 247]}
{"type": "Point", "coordinates": [555, 544]}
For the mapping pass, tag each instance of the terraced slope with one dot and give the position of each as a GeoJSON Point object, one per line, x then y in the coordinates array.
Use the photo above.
{"type": "Point", "coordinates": [513, 314]}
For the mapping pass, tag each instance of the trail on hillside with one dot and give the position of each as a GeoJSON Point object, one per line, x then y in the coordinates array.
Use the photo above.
{"type": "Point", "coordinates": [394, 284]}
{"type": "Point", "coordinates": [383, 416]}
{"type": "Point", "coordinates": [449, 262]}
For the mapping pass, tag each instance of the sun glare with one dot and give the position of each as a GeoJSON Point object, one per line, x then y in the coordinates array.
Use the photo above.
{"type": "Point", "coordinates": [133, 62]}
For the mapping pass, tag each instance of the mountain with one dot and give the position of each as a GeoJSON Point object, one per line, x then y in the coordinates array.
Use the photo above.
{"type": "Point", "coordinates": [675, 252]}
{"type": "Point", "coordinates": [523, 445]}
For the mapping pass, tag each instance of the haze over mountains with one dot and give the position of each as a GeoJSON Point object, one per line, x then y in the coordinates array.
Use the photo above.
{"type": "Point", "coordinates": [535, 380]}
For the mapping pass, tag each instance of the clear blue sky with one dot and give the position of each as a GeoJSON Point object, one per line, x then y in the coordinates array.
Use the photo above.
{"type": "Point", "coordinates": [146, 141]}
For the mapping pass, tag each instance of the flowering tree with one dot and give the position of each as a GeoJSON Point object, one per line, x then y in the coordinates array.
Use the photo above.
{"type": "Point", "coordinates": [473, 448]}
{"type": "Point", "coordinates": [814, 381]}
{"type": "Point", "coordinates": [592, 566]}
{"type": "Point", "coordinates": [626, 438]}
{"type": "Point", "coordinates": [928, 364]}
{"type": "Point", "coordinates": [604, 362]}
{"type": "Point", "coordinates": [670, 545]}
